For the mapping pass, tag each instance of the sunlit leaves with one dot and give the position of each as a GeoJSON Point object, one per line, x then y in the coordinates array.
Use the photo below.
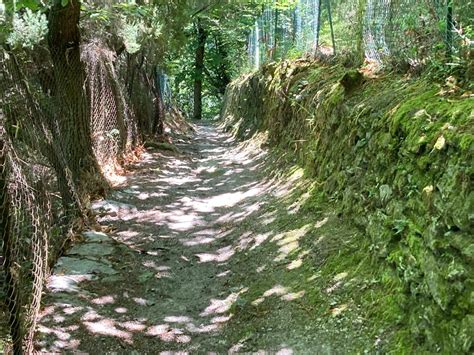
{"type": "Point", "coordinates": [130, 33]}
{"type": "Point", "coordinates": [285, 4]}
{"type": "Point", "coordinates": [33, 5]}
{"type": "Point", "coordinates": [28, 29]}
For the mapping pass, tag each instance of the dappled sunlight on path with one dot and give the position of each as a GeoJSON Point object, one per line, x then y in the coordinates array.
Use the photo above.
{"type": "Point", "coordinates": [159, 279]}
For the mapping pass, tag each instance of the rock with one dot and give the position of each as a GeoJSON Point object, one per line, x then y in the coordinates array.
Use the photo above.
{"type": "Point", "coordinates": [161, 146]}
{"type": "Point", "coordinates": [123, 194]}
{"type": "Point", "coordinates": [130, 192]}
{"type": "Point", "coordinates": [67, 283]}
{"type": "Point", "coordinates": [144, 277]}
{"type": "Point", "coordinates": [70, 272]}
{"type": "Point", "coordinates": [352, 80]}
{"type": "Point", "coordinates": [96, 237]}
{"type": "Point", "coordinates": [92, 249]}
{"type": "Point", "coordinates": [437, 285]}
{"type": "Point", "coordinates": [113, 208]}
{"type": "Point", "coordinates": [68, 266]}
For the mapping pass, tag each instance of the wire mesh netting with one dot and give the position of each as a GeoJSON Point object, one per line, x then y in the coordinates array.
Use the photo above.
{"type": "Point", "coordinates": [112, 121]}
{"type": "Point", "coordinates": [72, 113]}
{"type": "Point", "coordinates": [381, 30]}
{"type": "Point", "coordinates": [25, 222]}
{"type": "Point", "coordinates": [48, 125]}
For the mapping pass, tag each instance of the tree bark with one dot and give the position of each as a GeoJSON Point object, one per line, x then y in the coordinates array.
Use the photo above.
{"type": "Point", "coordinates": [70, 76]}
{"type": "Point", "coordinates": [360, 31]}
{"type": "Point", "coordinates": [275, 36]}
{"type": "Point", "coordinates": [158, 122]}
{"type": "Point", "coordinates": [153, 82]}
{"type": "Point", "coordinates": [449, 29]}
{"type": "Point", "coordinates": [223, 69]}
{"type": "Point", "coordinates": [199, 69]}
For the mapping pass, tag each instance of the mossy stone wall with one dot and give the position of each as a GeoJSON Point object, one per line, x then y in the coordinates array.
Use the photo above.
{"type": "Point", "coordinates": [396, 156]}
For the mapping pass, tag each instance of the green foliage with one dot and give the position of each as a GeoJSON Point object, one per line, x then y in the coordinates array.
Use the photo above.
{"type": "Point", "coordinates": [283, 4]}
{"type": "Point", "coordinates": [2, 11]}
{"type": "Point", "coordinates": [23, 4]}
{"type": "Point", "coordinates": [29, 29]}
{"type": "Point", "coordinates": [227, 26]}
{"type": "Point", "coordinates": [130, 34]}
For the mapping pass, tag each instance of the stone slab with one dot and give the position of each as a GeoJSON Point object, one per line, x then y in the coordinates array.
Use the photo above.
{"type": "Point", "coordinates": [96, 237]}
{"type": "Point", "coordinates": [78, 266]}
{"type": "Point", "coordinates": [92, 250]}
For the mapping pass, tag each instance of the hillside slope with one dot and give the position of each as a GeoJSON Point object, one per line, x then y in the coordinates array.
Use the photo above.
{"type": "Point", "coordinates": [394, 155]}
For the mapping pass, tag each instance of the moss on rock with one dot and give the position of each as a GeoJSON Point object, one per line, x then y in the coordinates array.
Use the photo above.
{"type": "Point", "coordinates": [397, 157]}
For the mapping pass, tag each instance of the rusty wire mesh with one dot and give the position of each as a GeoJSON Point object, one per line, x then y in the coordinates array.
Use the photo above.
{"type": "Point", "coordinates": [40, 166]}
{"type": "Point", "coordinates": [26, 220]}
{"type": "Point", "coordinates": [113, 123]}
{"type": "Point", "coordinates": [384, 31]}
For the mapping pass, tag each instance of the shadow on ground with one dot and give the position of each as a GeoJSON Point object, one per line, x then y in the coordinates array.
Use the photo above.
{"type": "Point", "coordinates": [206, 250]}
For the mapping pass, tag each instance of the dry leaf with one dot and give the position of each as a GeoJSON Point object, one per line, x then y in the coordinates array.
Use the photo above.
{"type": "Point", "coordinates": [440, 143]}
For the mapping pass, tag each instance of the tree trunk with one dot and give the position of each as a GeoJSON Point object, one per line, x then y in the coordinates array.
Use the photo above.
{"type": "Point", "coordinates": [449, 29]}
{"type": "Point", "coordinates": [49, 147]}
{"type": "Point", "coordinates": [199, 70]}
{"type": "Point", "coordinates": [153, 83]}
{"type": "Point", "coordinates": [158, 122]}
{"type": "Point", "coordinates": [360, 32]}
{"type": "Point", "coordinates": [223, 69]}
{"type": "Point", "coordinates": [70, 77]}
{"type": "Point", "coordinates": [275, 36]}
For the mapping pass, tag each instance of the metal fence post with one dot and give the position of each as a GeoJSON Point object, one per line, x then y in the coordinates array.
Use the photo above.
{"type": "Point", "coordinates": [328, 3]}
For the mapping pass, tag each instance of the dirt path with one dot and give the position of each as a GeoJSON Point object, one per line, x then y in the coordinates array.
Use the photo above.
{"type": "Point", "coordinates": [195, 251]}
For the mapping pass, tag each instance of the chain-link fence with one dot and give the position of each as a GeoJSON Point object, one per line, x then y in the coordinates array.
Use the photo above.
{"type": "Point", "coordinates": [113, 123]}
{"type": "Point", "coordinates": [26, 221]}
{"type": "Point", "coordinates": [71, 114]}
{"type": "Point", "coordinates": [382, 31]}
{"type": "Point", "coordinates": [53, 112]}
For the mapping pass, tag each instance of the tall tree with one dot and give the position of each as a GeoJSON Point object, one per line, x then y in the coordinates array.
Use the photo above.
{"type": "Point", "coordinates": [216, 48]}
{"type": "Point", "coordinates": [69, 73]}
{"type": "Point", "coordinates": [201, 35]}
